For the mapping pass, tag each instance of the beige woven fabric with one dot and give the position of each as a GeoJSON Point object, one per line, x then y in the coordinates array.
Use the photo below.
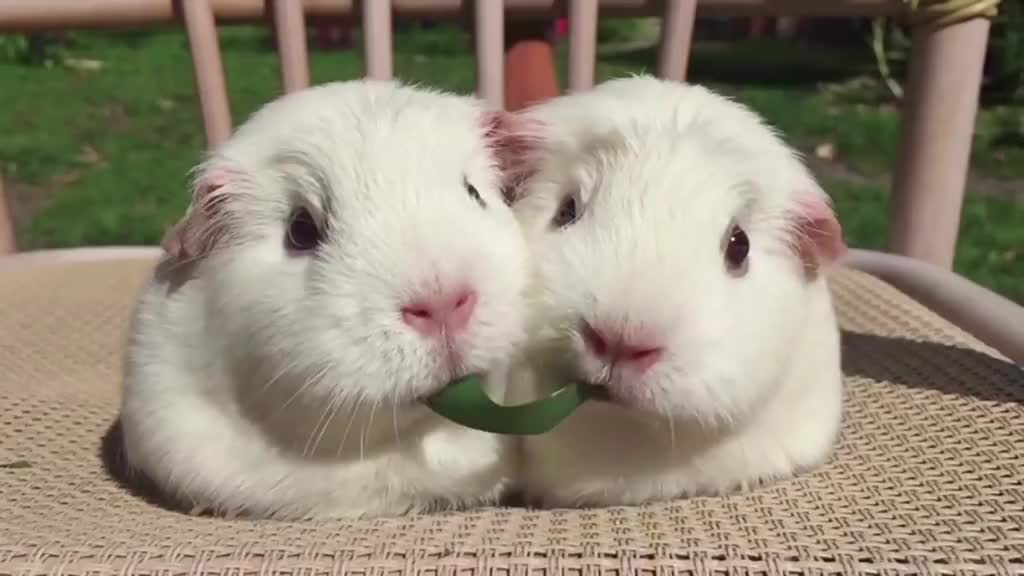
{"type": "Point", "coordinates": [928, 476]}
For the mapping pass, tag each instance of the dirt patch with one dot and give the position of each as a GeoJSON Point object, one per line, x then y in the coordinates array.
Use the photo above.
{"type": "Point", "coordinates": [116, 117]}
{"type": "Point", "coordinates": [1007, 189]}
{"type": "Point", "coordinates": [26, 200]}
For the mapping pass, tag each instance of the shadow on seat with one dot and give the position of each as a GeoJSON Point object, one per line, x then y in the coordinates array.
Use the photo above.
{"type": "Point", "coordinates": [932, 365]}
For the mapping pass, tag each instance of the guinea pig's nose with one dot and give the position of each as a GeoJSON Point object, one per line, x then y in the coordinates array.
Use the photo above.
{"type": "Point", "coordinates": [447, 312]}
{"type": "Point", "coordinates": [615, 349]}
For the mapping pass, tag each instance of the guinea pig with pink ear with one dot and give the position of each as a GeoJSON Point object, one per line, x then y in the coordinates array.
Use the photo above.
{"type": "Point", "coordinates": [679, 248]}
{"type": "Point", "coordinates": [348, 252]}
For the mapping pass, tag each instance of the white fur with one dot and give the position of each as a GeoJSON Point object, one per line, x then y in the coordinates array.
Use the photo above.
{"type": "Point", "coordinates": [749, 388]}
{"type": "Point", "coordinates": [281, 385]}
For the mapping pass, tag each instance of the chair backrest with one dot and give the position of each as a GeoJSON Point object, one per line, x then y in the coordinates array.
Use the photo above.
{"type": "Point", "coordinates": [489, 43]}
{"type": "Point", "coordinates": [943, 89]}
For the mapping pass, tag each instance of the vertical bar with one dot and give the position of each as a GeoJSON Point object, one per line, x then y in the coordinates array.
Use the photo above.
{"type": "Point", "coordinates": [489, 35]}
{"type": "Point", "coordinates": [7, 244]}
{"type": "Point", "coordinates": [290, 24]}
{"type": "Point", "coordinates": [938, 125]}
{"type": "Point", "coordinates": [676, 37]}
{"type": "Point", "coordinates": [530, 75]}
{"type": "Point", "coordinates": [209, 70]}
{"type": "Point", "coordinates": [377, 38]}
{"type": "Point", "coordinates": [582, 43]}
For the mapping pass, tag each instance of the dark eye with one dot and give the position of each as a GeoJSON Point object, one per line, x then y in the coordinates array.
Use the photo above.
{"type": "Point", "coordinates": [474, 194]}
{"type": "Point", "coordinates": [736, 250]}
{"type": "Point", "coordinates": [303, 233]}
{"type": "Point", "coordinates": [566, 212]}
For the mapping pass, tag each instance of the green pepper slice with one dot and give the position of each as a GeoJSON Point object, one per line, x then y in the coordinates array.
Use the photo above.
{"type": "Point", "coordinates": [465, 402]}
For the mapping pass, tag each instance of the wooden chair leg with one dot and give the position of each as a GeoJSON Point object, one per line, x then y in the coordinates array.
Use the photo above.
{"type": "Point", "coordinates": [938, 125]}
{"type": "Point", "coordinates": [7, 245]}
{"type": "Point", "coordinates": [201, 28]}
{"type": "Point", "coordinates": [677, 24]}
{"type": "Point", "coordinates": [290, 25]}
{"type": "Point", "coordinates": [582, 44]}
{"type": "Point", "coordinates": [377, 40]}
{"type": "Point", "coordinates": [489, 39]}
{"type": "Point", "coordinates": [530, 74]}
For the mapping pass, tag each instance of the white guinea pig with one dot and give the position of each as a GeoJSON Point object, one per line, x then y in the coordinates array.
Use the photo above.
{"type": "Point", "coordinates": [679, 247]}
{"type": "Point", "coordinates": [347, 253]}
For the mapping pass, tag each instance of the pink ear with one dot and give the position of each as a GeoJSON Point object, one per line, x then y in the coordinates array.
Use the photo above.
{"type": "Point", "coordinates": [818, 236]}
{"type": "Point", "coordinates": [514, 140]}
{"type": "Point", "coordinates": [194, 235]}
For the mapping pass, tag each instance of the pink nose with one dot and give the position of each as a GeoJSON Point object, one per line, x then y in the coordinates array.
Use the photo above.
{"type": "Point", "coordinates": [448, 313]}
{"type": "Point", "coordinates": [616, 350]}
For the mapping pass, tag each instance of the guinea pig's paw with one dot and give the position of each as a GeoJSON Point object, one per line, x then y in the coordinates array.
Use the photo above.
{"type": "Point", "coordinates": [753, 483]}
{"type": "Point", "coordinates": [345, 509]}
{"type": "Point", "coordinates": [199, 510]}
{"type": "Point", "coordinates": [504, 491]}
{"type": "Point", "coordinates": [394, 506]}
{"type": "Point", "coordinates": [497, 495]}
{"type": "Point", "coordinates": [584, 498]}
{"type": "Point", "coordinates": [442, 505]}
{"type": "Point", "coordinates": [210, 509]}
{"type": "Point", "coordinates": [806, 466]}
{"type": "Point", "coordinates": [737, 488]}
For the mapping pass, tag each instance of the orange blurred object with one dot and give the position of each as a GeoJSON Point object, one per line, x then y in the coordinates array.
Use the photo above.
{"type": "Point", "coordinates": [529, 64]}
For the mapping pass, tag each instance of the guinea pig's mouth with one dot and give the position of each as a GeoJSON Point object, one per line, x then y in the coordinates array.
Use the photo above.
{"type": "Point", "coordinates": [442, 382]}
{"type": "Point", "coordinates": [609, 387]}
{"type": "Point", "coordinates": [564, 372]}
{"type": "Point", "coordinates": [602, 391]}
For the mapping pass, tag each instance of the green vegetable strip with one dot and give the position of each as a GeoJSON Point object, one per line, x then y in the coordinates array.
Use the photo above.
{"type": "Point", "coordinates": [465, 402]}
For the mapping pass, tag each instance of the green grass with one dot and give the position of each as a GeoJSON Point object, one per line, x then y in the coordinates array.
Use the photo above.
{"type": "Point", "coordinates": [102, 157]}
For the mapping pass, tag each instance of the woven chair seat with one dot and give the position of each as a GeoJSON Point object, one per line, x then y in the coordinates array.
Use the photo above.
{"type": "Point", "coordinates": [928, 476]}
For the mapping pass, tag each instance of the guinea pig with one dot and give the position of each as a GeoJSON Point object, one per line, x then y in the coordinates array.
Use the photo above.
{"type": "Point", "coordinates": [346, 253]}
{"type": "Point", "coordinates": [679, 250]}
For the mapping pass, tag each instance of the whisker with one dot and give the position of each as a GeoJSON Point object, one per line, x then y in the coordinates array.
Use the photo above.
{"type": "Point", "coordinates": [394, 421]}
{"type": "Point", "coordinates": [309, 381]}
{"type": "Point", "coordinates": [353, 413]}
{"type": "Point", "coordinates": [362, 435]}
{"type": "Point", "coordinates": [278, 376]}
{"type": "Point", "coordinates": [671, 431]}
{"type": "Point", "coordinates": [313, 432]}
{"type": "Point", "coordinates": [270, 382]}
{"type": "Point", "coordinates": [337, 405]}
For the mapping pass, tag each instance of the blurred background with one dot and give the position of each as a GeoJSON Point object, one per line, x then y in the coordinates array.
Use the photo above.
{"type": "Point", "coordinates": [98, 130]}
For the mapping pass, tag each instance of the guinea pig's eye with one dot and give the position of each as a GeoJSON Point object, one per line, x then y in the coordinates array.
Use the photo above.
{"type": "Point", "coordinates": [303, 233]}
{"type": "Point", "coordinates": [736, 250]}
{"type": "Point", "coordinates": [566, 214]}
{"type": "Point", "coordinates": [474, 193]}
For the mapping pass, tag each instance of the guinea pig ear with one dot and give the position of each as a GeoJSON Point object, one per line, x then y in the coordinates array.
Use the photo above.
{"type": "Point", "coordinates": [515, 141]}
{"type": "Point", "coordinates": [194, 235]}
{"type": "Point", "coordinates": [817, 234]}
